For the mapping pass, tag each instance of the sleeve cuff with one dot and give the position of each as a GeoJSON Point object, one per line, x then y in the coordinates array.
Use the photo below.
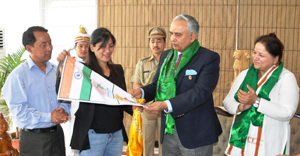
{"type": "Point", "coordinates": [66, 107]}
{"type": "Point", "coordinates": [237, 108]}
{"type": "Point", "coordinates": [170, 109]}
{"type": "Point", "coordinates": [46, 117]}
{"type": "Point", "coordinates": [143, 94]}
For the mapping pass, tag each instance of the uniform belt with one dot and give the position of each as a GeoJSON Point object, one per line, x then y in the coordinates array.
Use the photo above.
{"type": "Point", "coordinates": [42, 130]}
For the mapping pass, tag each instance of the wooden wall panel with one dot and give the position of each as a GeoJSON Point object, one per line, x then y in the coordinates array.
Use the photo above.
{"type": "Point", "coordinates": [263, 17]}
{"type": "Point", "coordinates": [129, 21]}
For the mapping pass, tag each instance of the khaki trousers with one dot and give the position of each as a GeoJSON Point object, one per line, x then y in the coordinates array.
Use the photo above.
{"type": "Point", "coordinates": [151, 127]}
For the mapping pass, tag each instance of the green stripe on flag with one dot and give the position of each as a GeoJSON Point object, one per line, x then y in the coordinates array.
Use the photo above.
{"type": "Point", "coordinates": [86, 84]}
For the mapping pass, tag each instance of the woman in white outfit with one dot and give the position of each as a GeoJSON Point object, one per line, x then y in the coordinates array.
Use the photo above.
{"type": "Point", "coordinates": [82, 43]}
{"type": "Point", "coordinates": [263, 98]}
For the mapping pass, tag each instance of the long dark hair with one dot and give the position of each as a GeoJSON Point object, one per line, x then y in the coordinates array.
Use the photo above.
{"type": "Point", "coordinates": [102, 35]}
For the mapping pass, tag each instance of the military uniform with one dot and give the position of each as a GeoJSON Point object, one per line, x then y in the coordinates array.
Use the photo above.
{"type": "Point", "coordinates": [144, 72]}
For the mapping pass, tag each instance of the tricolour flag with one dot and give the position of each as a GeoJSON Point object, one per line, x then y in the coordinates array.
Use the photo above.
{"type": "Point", "coordinates": [78, 82]}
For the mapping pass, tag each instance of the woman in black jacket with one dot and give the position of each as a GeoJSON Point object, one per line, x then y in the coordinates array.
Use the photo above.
{"type": "Point", "coordinates": [99, 129]}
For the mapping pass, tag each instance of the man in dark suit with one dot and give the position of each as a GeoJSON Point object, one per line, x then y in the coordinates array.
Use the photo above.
{"type": "Point", "coordinates": [182, 89]}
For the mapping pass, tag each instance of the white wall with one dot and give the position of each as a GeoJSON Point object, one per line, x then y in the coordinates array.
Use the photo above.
{"type": "Point", "coordinates": [16, 16]}
{"type": "Point", "coordinates": [61, 17]}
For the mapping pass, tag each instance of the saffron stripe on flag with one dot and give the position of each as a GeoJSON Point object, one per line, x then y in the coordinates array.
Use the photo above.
{"type": "Point", "coordinates": [86, 84]}
{"type": "Point", "coordinates": [67, 77]}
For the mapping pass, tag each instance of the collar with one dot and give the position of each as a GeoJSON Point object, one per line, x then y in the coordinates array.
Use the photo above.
{"type": "Point", "coordinates": [151, 58]}
{"type": "Point", "coordinates": [31, 64]}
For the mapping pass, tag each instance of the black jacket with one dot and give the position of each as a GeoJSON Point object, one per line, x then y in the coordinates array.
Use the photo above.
{"type": "Point", "coordinates": [85, 113]}
{"type": "Point", "coordinates": [193, 107]}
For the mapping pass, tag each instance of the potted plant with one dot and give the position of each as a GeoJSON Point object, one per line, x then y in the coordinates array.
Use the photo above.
{"type": "Point", "coordinates": [7, 65]}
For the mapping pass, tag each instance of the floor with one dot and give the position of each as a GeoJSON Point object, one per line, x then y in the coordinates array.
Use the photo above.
{"type": "Point", "coordinates": [125, 147]}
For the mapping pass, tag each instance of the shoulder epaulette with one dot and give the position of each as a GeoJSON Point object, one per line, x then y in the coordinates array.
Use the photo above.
{"type": "Point", "coordinates": [145, 58]}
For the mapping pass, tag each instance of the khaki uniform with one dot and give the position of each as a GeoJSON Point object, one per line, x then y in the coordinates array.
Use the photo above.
{"type": "Point", "coordinates": [144, 73]}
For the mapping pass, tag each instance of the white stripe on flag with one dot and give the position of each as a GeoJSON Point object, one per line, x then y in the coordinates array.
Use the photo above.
{"type": "Point", "coordinates": [76, 81]}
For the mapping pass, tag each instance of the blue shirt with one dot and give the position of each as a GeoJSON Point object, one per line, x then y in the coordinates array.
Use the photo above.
{"type": "Point", "coordinates": [30, 95]}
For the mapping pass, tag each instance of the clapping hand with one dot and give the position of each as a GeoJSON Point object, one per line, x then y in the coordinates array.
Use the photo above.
{"type": "Point", "coordinates": [247, 98]}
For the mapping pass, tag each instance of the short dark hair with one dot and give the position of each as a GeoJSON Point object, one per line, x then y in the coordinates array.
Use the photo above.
{"type": "Point", "coordinates": [272, 44]}
{"type": "Point", "coordinates": [28, 36]}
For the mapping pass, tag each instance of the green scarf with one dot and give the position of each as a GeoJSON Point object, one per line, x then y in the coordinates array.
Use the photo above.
{"type": "Point", "coordinates": [240, 128]}
{"type": "Point", "coordinates": [166, 84]}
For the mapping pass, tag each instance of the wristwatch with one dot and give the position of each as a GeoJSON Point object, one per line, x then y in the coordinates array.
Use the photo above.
{"type": "Point", "coordinates": [256, 103]}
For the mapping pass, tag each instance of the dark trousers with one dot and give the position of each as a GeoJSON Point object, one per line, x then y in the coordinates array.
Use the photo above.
{"type": "Point", "coordinates": [172, 147]}
{"type": "Point", "coordinates": [42, 144]}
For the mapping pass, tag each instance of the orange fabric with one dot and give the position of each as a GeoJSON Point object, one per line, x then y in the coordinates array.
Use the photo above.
{"type": "Point", "coordinates": [135, 143]}
{"type": "Point", "coordinates": [230, 149]}
{"type": "Point", "coordinates": [67, 77]}
{"type": "Point", "coordinates": [259, 133]}
{"type": "Point", "coordinates": [265, 78]}
{"type": "Point", "coordinates": [258, 140]}
{"type": "Point", "coordinates": [243, 152]}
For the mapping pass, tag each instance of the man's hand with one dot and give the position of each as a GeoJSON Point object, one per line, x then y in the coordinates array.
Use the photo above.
{"type": "Point", "coordinates": [140, 108]}
{"type": "Point", "coordinates": [59, 115]}
{"type": "Point", "coordinates": [136, 93]}
{"type": "Point", "coordinates": [156, 107]}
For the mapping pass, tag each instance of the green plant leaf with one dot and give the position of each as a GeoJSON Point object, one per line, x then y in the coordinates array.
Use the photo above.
{"type": "Point", "coordinates": [7, 65]}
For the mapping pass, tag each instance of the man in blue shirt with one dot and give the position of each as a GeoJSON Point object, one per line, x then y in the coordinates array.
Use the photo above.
{"type": "Point", "coordinates": [30, 95]}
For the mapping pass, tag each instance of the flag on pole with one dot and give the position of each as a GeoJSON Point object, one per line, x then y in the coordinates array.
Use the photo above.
{"type": "Point", "coordinates": [78, 82]}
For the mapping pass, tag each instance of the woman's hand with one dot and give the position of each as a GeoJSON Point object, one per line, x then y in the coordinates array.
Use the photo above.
{"type": "Point", "coordinates": [61, 56]}
{"type": "Point", "coordinates": [242, 107]}
{"type": "Point", "coordinates": [247, 98]}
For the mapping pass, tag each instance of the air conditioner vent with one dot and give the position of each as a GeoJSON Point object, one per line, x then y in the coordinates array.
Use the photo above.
{"type": "Point", "coordinates": [1, 39]}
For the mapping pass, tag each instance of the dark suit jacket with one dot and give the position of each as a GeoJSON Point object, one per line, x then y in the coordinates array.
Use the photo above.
{"type": "Point", "coordinates": [193, 108]}
{"type": "Point", "coordinates": [85, 113]}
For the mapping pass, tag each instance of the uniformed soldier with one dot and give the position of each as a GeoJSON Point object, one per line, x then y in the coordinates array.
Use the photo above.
{"type": "Point", "coordinates": [144, 73]}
